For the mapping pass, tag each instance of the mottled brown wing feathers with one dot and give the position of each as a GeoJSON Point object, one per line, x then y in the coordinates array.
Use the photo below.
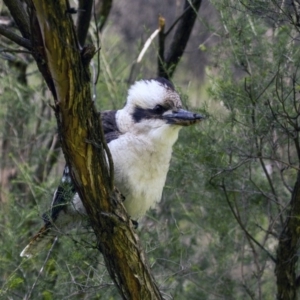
{"type": "Point", "coordinates": [39, 242]}
{"type": "Point", "coordinates": [44, 237]}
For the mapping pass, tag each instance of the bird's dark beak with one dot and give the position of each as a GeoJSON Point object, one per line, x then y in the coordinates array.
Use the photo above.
{"type": "Point", "coordinates": [183, 117]}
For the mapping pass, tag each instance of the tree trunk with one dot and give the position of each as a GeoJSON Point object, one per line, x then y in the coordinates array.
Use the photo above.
{"type": "Point", "coordinates": [287, 252]}
{"type": "Point", "coordinates": [66, 70]}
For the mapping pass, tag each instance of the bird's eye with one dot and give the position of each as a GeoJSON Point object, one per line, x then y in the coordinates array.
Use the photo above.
{"type": "Point", "coordinates": [159, 109]}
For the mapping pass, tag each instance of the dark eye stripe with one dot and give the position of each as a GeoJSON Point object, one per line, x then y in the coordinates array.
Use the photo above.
{"type": "Point", "coordinates": [141, 113]}
{"type": "Point", "coordinates": [159, 109]}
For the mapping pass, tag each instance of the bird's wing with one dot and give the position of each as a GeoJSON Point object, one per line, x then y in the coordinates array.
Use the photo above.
{"type": "Point", "coordinates": [66, 190]}
{"type": "Point", "coordinates": [109, 124]}
{"type": "Point", "coordinates": [63, 195]}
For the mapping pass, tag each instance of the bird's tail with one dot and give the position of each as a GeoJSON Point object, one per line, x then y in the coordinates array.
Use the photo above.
{"type": "Point", "coordinates": [38, 242]}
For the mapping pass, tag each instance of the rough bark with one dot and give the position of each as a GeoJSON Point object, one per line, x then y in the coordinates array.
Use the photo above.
{"type": "Point", "coordinates": [65, 69]}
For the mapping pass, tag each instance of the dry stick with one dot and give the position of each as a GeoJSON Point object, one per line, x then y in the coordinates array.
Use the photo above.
{"type": "Point", "coordinates": [161, 24]}
{"type": "Point", "coordinates": [41, 270]}
{"type": "Point", "coordinates": [8, 50]}
{"type": "Point", "coordinates": [147, 44]}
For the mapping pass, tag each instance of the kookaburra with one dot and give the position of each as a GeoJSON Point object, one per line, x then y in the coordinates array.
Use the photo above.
{"type": "Point", "coordinates": [140, 137]}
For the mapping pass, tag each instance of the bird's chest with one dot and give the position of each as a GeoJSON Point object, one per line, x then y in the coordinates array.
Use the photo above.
{"type": "Point", "coordinates": [142, 165]}
{"type": "Point", "coordinates": [147, 166]}
{"type": "Point", "coordinates": [140, 173]}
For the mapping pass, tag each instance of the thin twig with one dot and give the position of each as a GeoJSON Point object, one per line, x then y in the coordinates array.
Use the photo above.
{"type": "Point", "coordinates": [14, 51]}
{"type": "Point", "coordinates": [243, 227]}
{"type": "Point", "coordinates": [41, 270]}
{"type": "Point", "coordinates": [176, 21]}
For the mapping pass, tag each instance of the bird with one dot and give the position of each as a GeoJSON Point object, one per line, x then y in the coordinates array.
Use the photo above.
{"type": "Point", "coordinates": [140, 137]}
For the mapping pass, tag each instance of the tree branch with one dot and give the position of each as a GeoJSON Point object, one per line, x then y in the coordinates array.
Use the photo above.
{"type": "Point", "coordinates": [19, 15]}
{"type": "Point", "coordinates": [180, 39]}
{"type": "Point", "coordinates": [14, 37]}
{"type": "Point", "coordinates": [102, 10]}
{"type": "Point", "coordinates": [83, 19]}
{"type": "Point", "coordinates": [161, 46]}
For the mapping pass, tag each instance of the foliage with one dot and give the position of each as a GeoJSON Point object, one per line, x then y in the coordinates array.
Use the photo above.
{"type": "Point", "coordinates": [255, 147]}
{"type": "Point", "coordinates": [226, 200]}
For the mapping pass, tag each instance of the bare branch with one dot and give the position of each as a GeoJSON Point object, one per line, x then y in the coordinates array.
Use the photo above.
{"type": "Point", "coordinates": [19, 15]}
{"type": "Point", "coordinates": [8, 50]}
{"type": "Point", "coordinates": [15, 38]}
{"type": "Point", "coordinates": [175, 22]}
{"type": "Point", "coordinates": [180, 38]}
{"type": "Point", "coordinates": [83, 20]}
{"type": "Point", "coordinates": [102, 10]}
{"type": "Point", "coordinates": [161, 46]}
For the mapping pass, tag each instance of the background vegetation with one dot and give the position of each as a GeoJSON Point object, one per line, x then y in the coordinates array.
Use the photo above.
{"type": "Point", "coordinates": [227, 226]}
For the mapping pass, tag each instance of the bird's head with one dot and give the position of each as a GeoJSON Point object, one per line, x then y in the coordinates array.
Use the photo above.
{"type": "Point", "coordinates": [153, 107]}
